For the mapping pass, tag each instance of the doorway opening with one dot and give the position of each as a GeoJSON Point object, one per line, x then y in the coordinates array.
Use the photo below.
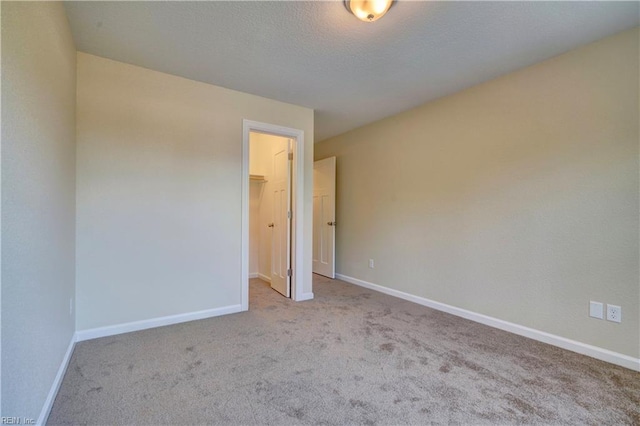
{"type": "Point", "coordinates": [272, 209]}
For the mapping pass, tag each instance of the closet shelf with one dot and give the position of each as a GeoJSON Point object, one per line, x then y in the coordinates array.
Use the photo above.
{"type": "Point", "coordinates": [257, 178]}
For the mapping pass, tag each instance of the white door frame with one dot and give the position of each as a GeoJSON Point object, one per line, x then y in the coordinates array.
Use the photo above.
{"type": "Point", "coordinates": [297, 246]}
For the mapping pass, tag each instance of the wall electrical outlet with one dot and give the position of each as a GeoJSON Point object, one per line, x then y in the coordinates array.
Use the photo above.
{"type": "Point", "coordinates": [596, 310]}
{"type": "Point", "coordinates": [371, 264]}
{"type": "Point", "coordinates": [614, 313]}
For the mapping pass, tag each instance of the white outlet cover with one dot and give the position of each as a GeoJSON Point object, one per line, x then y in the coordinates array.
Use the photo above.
{"type": "Point", "coordinates": [596, 310]}
{"type": "Point", "coordinates": [614, 313]}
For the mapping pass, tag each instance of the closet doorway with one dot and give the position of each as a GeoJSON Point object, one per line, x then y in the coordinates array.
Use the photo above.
{"type": "Point", "coordinates": [270, 210]}
{"type": "Point", "coordinates": [273, 206]}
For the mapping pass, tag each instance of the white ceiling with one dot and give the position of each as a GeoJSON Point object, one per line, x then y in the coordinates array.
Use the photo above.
{"type": "Point", "coordinates": [318, 55]}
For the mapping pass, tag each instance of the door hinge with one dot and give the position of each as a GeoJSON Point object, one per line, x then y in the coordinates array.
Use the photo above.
{"type": "Point", "coordinates": [289, 214]}
{"type": "Point", "coordinates": [288, 272]}
{"type": "Point", "coordinates": [291, 156]}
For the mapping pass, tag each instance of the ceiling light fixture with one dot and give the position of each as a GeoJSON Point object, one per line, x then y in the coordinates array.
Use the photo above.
{"type": "Point", "coordinates": [368, 10]}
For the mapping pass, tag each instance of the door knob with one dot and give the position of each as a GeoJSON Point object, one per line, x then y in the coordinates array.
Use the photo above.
{"type": "Point", "coordinates": [271, 225]}
{"type": "Point", "coordinates": [331, 223]}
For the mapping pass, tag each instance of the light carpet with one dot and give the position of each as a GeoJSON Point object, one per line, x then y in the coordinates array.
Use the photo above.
{"type": "Point", "coordinates": [350, 356]}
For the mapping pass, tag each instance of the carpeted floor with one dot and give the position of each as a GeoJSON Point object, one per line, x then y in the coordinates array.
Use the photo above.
{"type": "Point", "coordinates": [351, 356]}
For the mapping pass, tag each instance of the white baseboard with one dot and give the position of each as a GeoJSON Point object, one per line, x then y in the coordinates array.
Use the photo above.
{"type": "Point", "coordinates": [263, 277]}
{"type": "Point", "coordinates": [541, 336]}
{"type": "Point", "coordinates": [305, 296]}
{"type": "Point", "coordinates": [48, 403]}
{"type": "Point", "coordinates": [253, 275]}
{"type": "Point", "coordinates": [112, 330]}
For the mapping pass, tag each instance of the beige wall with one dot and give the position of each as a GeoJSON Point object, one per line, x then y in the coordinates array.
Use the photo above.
{"type": "Point", "coordinates": [256, 191]}
{"type": "Point", "coordinates": [38, 201]}
{"type": "Point", "coordinates": [517, 198]}
{"type": "Point", "coordinates": [159, 191]}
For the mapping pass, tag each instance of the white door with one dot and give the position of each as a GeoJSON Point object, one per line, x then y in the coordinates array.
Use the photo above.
{"type": "Point", "coordinates": [324, 214]}
{"type": "Point", "coordinates": [281, 225]}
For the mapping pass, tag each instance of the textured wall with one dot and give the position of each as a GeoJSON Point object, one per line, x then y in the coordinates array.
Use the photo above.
{"type": "Point", "coordinates": [517, 198]}
{"type": "Point", "coordinates": [256, 191]}
{"type": "Point", "coordinates": [159, 191]}
{"type": "Point", "coordinates": [38, 200]}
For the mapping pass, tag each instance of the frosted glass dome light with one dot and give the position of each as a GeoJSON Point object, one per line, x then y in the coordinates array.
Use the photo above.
{"type": "Point", "coordinates": [368, 10]}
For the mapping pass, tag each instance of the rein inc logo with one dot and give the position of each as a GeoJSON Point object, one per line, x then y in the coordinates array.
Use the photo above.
{"type": "Point", "coordinates": [17, 421]}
